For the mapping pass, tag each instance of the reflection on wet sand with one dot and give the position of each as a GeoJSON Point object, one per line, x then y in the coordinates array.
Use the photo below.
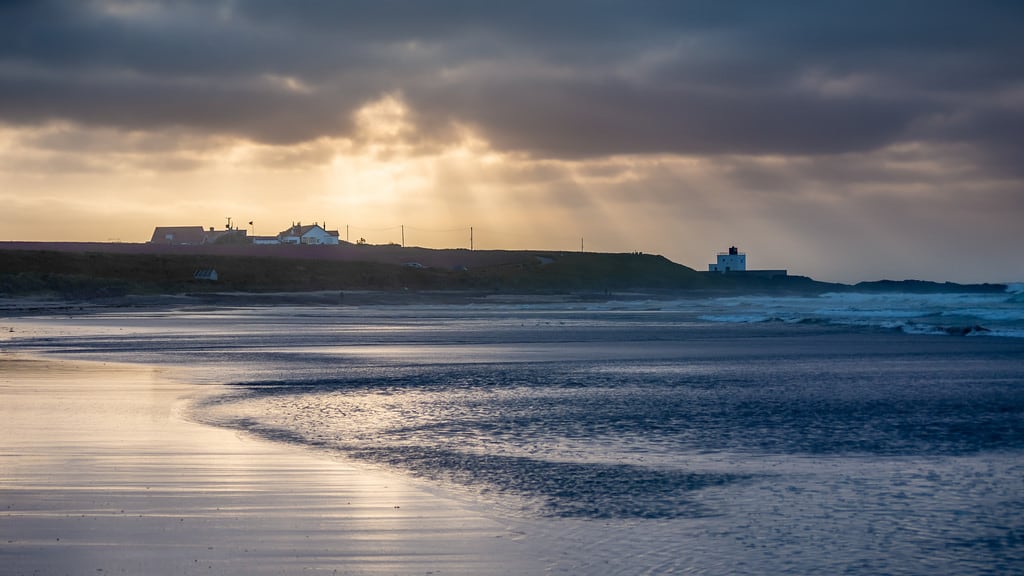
{"type": "Point", "coordinates": [98, 474]}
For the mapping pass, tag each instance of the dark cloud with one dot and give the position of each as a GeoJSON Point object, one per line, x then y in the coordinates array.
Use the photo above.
{"type": "Point", "coordinates": [263, 113]}
{"type": "Point", "coordinates": [554, 79]}
{"type": "Point", "coordinates": [608, 118]}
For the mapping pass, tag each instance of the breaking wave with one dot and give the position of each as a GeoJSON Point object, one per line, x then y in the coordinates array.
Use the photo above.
{"type": "Point", "coordinates": [954, 314]}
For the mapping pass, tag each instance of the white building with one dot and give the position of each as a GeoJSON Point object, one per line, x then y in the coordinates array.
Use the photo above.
{"type": "Point", "coordinates": [208, 274]}
{"type": "Point", "coordinates": [731, 261]}
{"type": "Point", "coordinates": [313, 234]}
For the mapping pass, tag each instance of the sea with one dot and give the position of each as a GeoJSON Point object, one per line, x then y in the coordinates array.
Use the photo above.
{"type": "Point", "coordinates": [846, 433]}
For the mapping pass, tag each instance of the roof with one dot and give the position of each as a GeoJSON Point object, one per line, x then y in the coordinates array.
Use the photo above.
{"type": "Point", "coordinates": [178, 235]}
{"type": "Point", "coordinates": [299, 230]}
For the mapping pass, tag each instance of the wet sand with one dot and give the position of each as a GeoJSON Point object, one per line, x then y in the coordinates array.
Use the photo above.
{"type": "Point", "coordinates": [100, 474]}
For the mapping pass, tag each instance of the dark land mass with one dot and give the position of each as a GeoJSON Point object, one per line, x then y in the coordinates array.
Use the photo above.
{"type": "Point", "coordinates": [95, 271]}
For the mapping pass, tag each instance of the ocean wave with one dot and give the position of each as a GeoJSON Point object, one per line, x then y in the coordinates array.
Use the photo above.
{"type": "Point", "coordinates": [870, 313]}
{"type": "Point", "coordinates": [958, 314]}
{"type": "Point", "coordinates": [969, 330]}
{"type": "Point", "coordinates": [902, 300]}
{"type": "Point", "coordinates": [995, 314]}
{"type": "Point", "coordinates": [736, 318]}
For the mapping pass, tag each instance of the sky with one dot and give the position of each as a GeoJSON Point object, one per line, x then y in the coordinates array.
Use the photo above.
{"type": "Point", "coordinates": [841, 140]}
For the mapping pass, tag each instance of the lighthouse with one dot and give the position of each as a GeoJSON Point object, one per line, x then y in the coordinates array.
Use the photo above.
{"type": "Point", "coordinates": [731, 261]}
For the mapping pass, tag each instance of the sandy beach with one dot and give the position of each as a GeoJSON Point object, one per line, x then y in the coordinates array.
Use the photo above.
{"type": "Point", "coordinates": [99, 474]}
{"type": "Point", "coordinates": [716, 436]}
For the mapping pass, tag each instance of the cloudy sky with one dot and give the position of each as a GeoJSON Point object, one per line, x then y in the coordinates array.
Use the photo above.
{"type": "Point", "coordinates": [841, 140]}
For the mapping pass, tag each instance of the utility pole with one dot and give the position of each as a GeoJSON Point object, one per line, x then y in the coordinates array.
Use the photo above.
{"type": "Point", "coordinates": [346, 232]}
{"type": "Point", "coordinates": [403, 235]}
{"type": "Point", "coordinates": [581, 243]}
{"type": "Point", "coordinates": [471, 238]}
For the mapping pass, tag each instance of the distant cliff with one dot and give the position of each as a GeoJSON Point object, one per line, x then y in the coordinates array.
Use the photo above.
{"type": "Point", "coordinates": [923, 286]}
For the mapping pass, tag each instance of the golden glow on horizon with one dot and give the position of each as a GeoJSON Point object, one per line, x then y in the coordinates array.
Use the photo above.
{"type": "Point", "coordinates": [64, 182]}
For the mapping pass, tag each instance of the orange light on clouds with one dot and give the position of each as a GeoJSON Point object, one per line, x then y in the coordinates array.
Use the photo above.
{"type": "Point", "coordinates": [64, 182]}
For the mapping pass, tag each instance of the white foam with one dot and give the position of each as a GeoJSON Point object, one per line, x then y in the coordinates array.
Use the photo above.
{"type": "Point", "coordinates": [1008, 314]}
{"type": "Point", "coordinates": [1006, 333]}
{"type": "Point", "coordinates": [938, 313]}
{"type": "Point", "coordinates": [736, 318]}
{"type": "Point", "coordinates": [871, 313]}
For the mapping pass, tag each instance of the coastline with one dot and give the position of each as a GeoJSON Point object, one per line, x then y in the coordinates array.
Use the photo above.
{"type": "Point", "coordinates": [98, 272]}
{"type": "Point", "coordinates": [14, 306]}
{"type": "Point", "coordinates": [101, 474]}
{"type": "Point", "coordinates": [84, 441]}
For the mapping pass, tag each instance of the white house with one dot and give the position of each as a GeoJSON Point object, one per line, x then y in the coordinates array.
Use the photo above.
{"type": "Point", "coordinates": [312, 234]}
{"type": "Point", "coordinates": [731, 261]}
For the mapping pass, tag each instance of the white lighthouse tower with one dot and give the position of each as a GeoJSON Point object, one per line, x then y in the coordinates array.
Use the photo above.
{"type": "Point", "coordinates": [731, 261]}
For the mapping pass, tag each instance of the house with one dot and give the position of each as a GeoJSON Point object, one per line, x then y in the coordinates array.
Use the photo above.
{"type": "Point", "coordinates": [195, 236]}
{"type": "Point", "coordinates": [311, 235]}
{"type": "Point", "coordinates": [178, 235]}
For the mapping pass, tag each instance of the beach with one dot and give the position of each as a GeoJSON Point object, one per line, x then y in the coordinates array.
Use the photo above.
{"type": "Point", "coordinates": [746, 435]}
{"type": "Point", "coordinates": [99, 474]}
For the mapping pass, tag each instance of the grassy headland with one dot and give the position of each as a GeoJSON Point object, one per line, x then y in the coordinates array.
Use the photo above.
{"type": "Point", "coordinates": [97, 274]}
{"type": "Point", "coordinates": [99, 271]}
